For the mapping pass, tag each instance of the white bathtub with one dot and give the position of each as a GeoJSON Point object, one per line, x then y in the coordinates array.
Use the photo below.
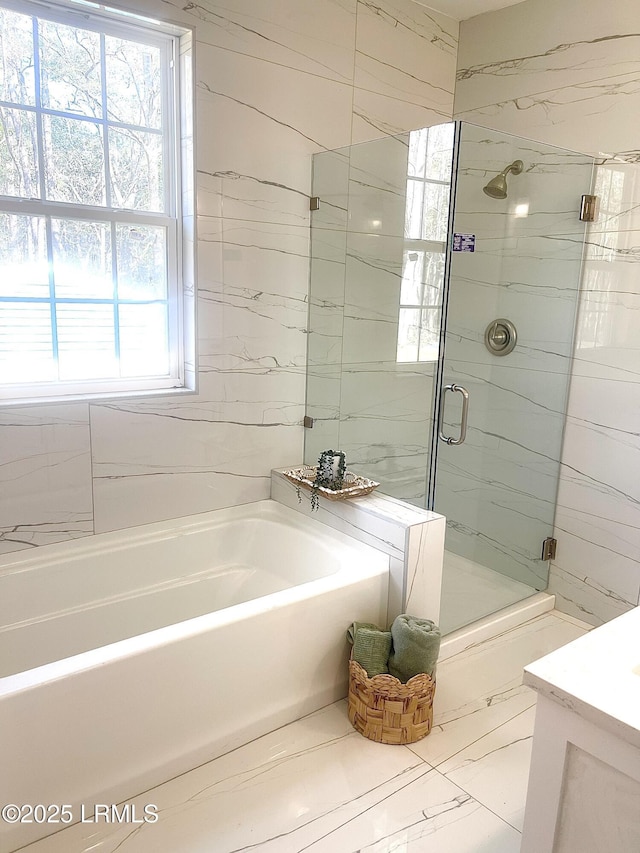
{"type": "Point", "coordinates": [132, 656]}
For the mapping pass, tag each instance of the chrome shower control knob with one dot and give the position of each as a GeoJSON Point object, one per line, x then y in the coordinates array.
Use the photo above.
{"type": "Point", "coordinates": [500, 337]}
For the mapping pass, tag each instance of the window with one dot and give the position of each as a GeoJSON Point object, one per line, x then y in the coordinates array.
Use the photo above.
{"type": "Point", "coordinates": [420, 305]}
{"type": "Point", "coordinates": [90, 204]}
{"type": "Point", "coordinates": [425, 235]}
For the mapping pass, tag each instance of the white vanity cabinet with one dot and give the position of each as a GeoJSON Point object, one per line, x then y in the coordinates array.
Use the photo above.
{"type": "Point", "coordinates": [584, 782]}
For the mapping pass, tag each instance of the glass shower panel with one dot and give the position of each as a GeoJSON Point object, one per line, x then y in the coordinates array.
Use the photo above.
{"type": "Point", "coordinates": [326, 301]}
{"type": "Point", "coordinates": [520, 261]}
{"type": "Point", "coordinates": [377, 275]}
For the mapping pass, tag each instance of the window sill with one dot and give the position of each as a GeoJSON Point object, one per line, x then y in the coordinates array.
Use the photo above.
{"type": "Point", "coordinates": [99, 397]}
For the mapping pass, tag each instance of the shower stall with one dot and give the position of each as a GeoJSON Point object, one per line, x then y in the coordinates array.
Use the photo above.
{"type": "Point", "coordinates": [445, 273]}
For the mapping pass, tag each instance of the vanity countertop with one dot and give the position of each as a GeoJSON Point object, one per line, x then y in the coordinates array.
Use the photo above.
{"type": "Point", "coordinates": [597, 676]}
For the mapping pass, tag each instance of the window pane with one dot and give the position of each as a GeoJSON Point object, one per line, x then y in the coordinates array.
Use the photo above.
{"type": "Point", "coordinates": [429, 335]}
{"type": "Point", "coordinates": [24, 269]}
{"type": "Point", "coordinates": [413, 210]}
{"type": "Point", "coordinates": [411, 285]}
{"type": "Point", "coordinates": [408, 334]}
{"type": "Point", "coordinates": [82, 259]}
{"type": "Point", "coordinates": [436, 212]}
{"type": "Point", "coordinates": [144, 350]}
{"type": "Point", "coordinates": [18, 154]}
{"type": "Point", "coordinates": [74, 161]}
{"type": "Point", "coordinates": [137, 171]}
{"type": "Point", "coordinates": [440, 153]}
{"type": "Point", "coordinates": [142, 267]}
{"type": "Point", "coordinates": [86, 342]}
{"type": "Point", "coordinates": [16, 50]}
{"type": "Point", "coordinates": [25, 343]}
{"type": "Point", "coordinates": [417, 152]}
{"type": "Point", "coordinates": [133, 83]}
{"type": "Point", "coordinates": [433, 277]}
{"type": "Point", "coordinates": [70, 69]}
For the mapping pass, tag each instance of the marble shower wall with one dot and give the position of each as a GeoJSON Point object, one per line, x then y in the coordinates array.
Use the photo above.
{"type": "Point", "coordinates": [568, 74]}
{"type": "Point", "coordinates": [273, 87]}
{"type": "Point", "coordinates": [498, 489]}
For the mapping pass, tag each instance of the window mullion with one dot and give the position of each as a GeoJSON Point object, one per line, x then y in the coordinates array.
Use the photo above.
{"type": "Point", "coordinates": [53, 314]}
{"type": "Point", "coordinates": [105, 125]}
{"type": "Point", "coordinates": [64, 210]}
{"type": "Point", "coordinates": [38, 96]}
{"type": "Point", "coordinates": [421, 320]}
{"type": "Point", "coordinates": [52, 294]}
{"type": "Point", "coordinates": [170, 154]}
{"type": "Point", "coordinates": [49, 111]}
{"type": "Point", "coordinates": [174, 304]}
{"type": "Point", "coordinates": [116, 304]}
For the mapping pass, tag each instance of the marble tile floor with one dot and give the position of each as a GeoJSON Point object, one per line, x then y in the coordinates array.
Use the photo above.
{"type": "Point", "coordinates": [316, 785]}
{"type": "Point", "coordinates": [471, 592]}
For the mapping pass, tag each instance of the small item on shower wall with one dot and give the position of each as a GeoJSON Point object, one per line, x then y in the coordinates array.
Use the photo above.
{"type": "Point", "coordinates": [329, 478]}
{"type": "Point", "coordinates": [464, 242]}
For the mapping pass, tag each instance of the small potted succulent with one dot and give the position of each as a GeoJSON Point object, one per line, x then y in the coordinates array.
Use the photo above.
{"type": "Point", "coordinates": [329, 474]}
{"type": "Point", "coordinates": [329, 478]}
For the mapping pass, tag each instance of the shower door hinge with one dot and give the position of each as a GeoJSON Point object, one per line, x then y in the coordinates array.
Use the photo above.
{"type": "Point", "coordinates": [314, 202]}
{"type": "Point", "coordinates": [588, 208]}
{"type": "Point", "coordinates": [549, 547]}
{"type": "Point", "coordinates": [307, 422]}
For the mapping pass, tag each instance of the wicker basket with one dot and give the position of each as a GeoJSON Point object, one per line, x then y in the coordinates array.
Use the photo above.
{"type": "Point", "coordinates": [354, 485]}
{"type": "Point", "coordinates": [386, 710]}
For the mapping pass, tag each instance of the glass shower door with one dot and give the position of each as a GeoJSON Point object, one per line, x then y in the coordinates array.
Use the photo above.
{"type": "Point", "coordinates": [514, 276]}
{"type": "Point", "coordinates": [378, 248]}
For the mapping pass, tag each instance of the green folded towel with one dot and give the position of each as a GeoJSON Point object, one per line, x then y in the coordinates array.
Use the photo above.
{"type": "Point", "coordinates": [416, 644]}
{"type": "Point", "coordinates": [371, 647]}
{"type": "Point", "coordinates": [355, 627]}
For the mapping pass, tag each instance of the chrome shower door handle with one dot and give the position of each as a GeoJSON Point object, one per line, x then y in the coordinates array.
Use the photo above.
{"type": "Point", "coordinates": [463, 420]}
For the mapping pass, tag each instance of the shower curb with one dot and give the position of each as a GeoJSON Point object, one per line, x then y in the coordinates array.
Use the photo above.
{"type": "Point", "coordinates": [496, 624]}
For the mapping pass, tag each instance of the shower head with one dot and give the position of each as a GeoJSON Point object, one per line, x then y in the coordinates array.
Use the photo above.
{"type": "Point", "coordinates": [497, 187]}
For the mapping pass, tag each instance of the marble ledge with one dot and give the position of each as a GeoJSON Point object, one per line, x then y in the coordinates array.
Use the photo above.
{"type": "Point", "coordinates": [387, 509]}
{"type": "Point", "coordinates": [597, 677]}
{"type": "Point", "coordinates": [412, 537]}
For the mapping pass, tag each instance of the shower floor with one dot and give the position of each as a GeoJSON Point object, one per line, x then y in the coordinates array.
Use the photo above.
{"type": "Point", "coordinates": [471, 592]}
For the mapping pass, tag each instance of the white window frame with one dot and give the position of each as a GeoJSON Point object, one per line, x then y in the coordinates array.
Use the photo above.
{"type": "Point", "coordinates": [167, 37]}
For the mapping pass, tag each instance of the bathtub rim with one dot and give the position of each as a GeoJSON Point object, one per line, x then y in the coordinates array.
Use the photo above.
{"type": "Point", "coordinates": [53, 566]}
{"type": "Point", "coordinates": [361, 561]}
{"type": "Point", "coordinates": [29, 559]}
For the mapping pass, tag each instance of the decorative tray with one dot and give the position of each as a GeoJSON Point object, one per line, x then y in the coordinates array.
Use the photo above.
{"type": "Point", "coordinates": [354, 485]}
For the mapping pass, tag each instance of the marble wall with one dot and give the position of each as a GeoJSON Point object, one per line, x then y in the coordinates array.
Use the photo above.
{"type": "Point", "coordinates": [273, 87]}
{"type": "Point", "coordinates": [568, 74]}
{"type": "Point", "coordinates": [498, 489]}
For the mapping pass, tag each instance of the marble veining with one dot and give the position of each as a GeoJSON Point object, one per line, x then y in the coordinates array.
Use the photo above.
{"type": "Point", "coordinates": [498, 489]}
{"type": "Point", "coordinates": [317, 785]}
{"type": "Point", "coordinates": [315, 42]}
{"type": "Point", "coordinates": [45, 471]}
{"type": "Point", "coordinates": [424, 21]}
{"type": "Point", "coordinates": [518, 405]}
{"type": "Point", "coordinates": [412, 537]}
{"type": "Point", "coordinates": [287, 80]}
{"type": "Point", "coordinates": [517, 66]}
{"type": "Point", "coordinates": [574, 83]}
